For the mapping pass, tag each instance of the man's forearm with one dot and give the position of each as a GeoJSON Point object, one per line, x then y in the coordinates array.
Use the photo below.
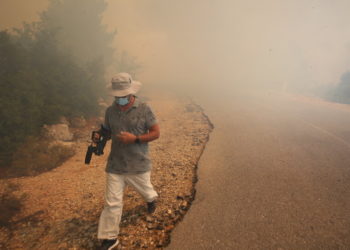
{"type": "Point", "coordinates": [151, 136]}
{"type": "Point", "coordinates": [128, 138]}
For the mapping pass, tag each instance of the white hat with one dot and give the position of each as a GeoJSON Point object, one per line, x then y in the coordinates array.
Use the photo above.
{"type": "Point", "coordinates": [123, 85]}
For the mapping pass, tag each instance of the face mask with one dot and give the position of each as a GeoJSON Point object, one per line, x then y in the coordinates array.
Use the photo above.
{"type": "Point", "coordinates": [122, 101]}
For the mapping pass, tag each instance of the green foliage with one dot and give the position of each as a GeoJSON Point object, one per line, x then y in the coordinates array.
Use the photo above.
{"type": "Point", "coordinates": [39, 84]}
{"type": "Point", "coordinates": [51, 68]}
{"type": "Point", "coordinates": [79, 29]}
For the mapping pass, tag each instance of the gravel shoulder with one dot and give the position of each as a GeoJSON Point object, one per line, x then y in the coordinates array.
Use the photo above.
{"type": "Point", "coordinates": [61, 207]}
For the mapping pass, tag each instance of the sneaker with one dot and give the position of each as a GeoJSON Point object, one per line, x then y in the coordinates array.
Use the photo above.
{"type": "Point", "coordinates": [151, 207]}
{"type": "Point", "coordinates": [109, 244]}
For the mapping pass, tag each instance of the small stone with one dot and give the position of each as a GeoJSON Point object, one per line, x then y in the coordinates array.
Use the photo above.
{"type": "Point", "coordinates": [137, 243]}
{"type": "Point", "coordinates": [57, 132]}
{"type": "Point", "coordinates": [184, 205]}
{"type": "Point", "coordinates": [63, 245]}
{"type": "Point", "coordinates": [160, 244]}
{"type": "Point", "coordinates": [78, 122]}
{"type": "Point", "coordinates": [149, 219]}
{"type": "Point", "coordinates": [63, 120]}
{"type": "Point", "coordinates": [182, 212]}
{"type": "Point", "coordinates": [177, 163]}
{"type": "Point", "coordinates": [179, 197]}
{"type": "Point", "coordinates": [169, 228]}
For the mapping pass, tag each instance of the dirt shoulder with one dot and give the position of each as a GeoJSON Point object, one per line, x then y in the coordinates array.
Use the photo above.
{"type": "Point", "coordinates": [60, 208]}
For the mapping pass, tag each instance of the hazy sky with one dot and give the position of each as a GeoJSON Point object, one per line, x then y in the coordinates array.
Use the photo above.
{"type": "Point", "coordinates": [271, 43]}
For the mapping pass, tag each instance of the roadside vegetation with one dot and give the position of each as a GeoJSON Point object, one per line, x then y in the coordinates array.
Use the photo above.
{"type": "Point", "coordinates": [48, 69]}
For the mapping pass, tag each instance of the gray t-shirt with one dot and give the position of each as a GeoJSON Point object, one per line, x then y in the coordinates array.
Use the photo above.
{"type": "Point", "coordinates": [129, 158]}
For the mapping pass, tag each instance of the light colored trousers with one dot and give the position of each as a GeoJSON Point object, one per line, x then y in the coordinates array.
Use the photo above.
{"type": "Point", "coordinates": [108, 227]}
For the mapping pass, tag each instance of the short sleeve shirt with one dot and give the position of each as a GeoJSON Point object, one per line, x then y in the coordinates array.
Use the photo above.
{"type": "Point", "coordinates": [129, 158]}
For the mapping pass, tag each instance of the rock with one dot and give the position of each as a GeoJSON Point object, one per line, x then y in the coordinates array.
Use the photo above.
{"type": "Point", "coordinates": [102, 103]}
{"type": "Point", "coordinates": [151, 226]}
{"type": "Point", "coordinates": [178, 163]}
{"type": "Point", "coordinates": [160, 244]}
{"type": "Point", "coordinates": [179, 197]}
{"type": "Point", "coordinates": [57, 132]}
{"type": "Point", "coordinates": [90, 245]}
{"type": "Point", "coordinates": [63, 245]}
{"type": "Point", "coordinates": [169, 228]}
{"type": "Point", "coordinates": [182, 212]}
{"type": "Point", "coordinates": [137, 243]}
{"type": "Point", "coordinates": [87, 196]}
{"type": "Point", "coordinates": [78, 122]}
{"type": "Point", "coordinates": [63, 120]}
{"type": "Point", "coordinates": [79, 134]}
{"type": "Point", "coordinates": [149, 219]}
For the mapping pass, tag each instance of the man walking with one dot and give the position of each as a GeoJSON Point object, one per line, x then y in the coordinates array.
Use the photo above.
{"type": "Point", "coordinates": [132, 125]}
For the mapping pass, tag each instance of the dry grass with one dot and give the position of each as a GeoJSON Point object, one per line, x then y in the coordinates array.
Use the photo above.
{"type": "Point", "coordinates": [36, 156]}
{"type": "Point", "coordinates": [10, 205]}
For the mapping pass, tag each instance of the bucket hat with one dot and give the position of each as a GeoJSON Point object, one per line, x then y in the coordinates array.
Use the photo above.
{"type": "Point", "coordinates": [122, 84]}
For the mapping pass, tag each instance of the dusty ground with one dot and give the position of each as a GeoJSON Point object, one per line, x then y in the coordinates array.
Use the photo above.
{"type": "Point", "coordinates": [61, 207]}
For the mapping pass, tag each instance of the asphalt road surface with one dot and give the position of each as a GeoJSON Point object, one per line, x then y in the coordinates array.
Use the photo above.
{"type": "Point", "coordinates": [275, 175]}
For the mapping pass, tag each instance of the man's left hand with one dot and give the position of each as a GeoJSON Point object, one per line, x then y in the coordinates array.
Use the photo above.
{"type": "Point", "coordinates": [126, 137]}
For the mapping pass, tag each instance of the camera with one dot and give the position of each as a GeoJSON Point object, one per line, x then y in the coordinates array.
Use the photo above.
{"type": "Point", "coordinates": [98, 142]}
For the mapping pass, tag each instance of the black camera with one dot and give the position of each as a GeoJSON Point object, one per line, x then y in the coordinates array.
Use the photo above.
{"type": "Point", "coordinates": [98, 142]}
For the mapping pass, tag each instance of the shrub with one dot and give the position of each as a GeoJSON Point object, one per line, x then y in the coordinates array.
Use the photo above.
{"type": "Point", "coordinates": [36, 156]}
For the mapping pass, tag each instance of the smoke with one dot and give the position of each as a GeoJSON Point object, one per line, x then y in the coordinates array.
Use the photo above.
{"type": "Point", "coordinates": [14, 12]}
{"type": "Point", "coordinates": [291, 45]}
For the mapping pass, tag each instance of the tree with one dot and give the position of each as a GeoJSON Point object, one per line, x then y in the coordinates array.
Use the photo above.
{"type": "Point", "coordinates": [79, 29]}
{"type": "Point", "coordinates": [52, 68]}
{"type": "Point", "coordinates": [39, 83]}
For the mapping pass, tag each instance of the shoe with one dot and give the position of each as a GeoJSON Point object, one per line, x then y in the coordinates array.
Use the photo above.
{"type": "Point", "coordinates": [151, 207]}
{"type": "Point", "coordinates": [109, 244]}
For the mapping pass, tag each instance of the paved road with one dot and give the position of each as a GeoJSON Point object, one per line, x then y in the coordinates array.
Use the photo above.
{"type": "Point", "coordinates": [275, 175]}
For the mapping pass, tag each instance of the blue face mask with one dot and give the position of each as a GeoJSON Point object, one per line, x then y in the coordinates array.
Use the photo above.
{"type": "Point", "coordinates": [122, 101]}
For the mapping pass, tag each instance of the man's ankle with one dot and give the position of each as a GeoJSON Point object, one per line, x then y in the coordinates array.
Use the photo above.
{"type": "Point", "coordinates": [151, 206]}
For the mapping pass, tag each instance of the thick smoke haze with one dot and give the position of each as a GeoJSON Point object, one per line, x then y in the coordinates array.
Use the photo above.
{"type": "Point", "coordinates": [280, 44]}
{"type": "Point", "coordinates": [283, 45]}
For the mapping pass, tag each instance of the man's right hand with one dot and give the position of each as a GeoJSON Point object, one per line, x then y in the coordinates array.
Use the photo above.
{"type": "Point", "coordinates": [126, 137]}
